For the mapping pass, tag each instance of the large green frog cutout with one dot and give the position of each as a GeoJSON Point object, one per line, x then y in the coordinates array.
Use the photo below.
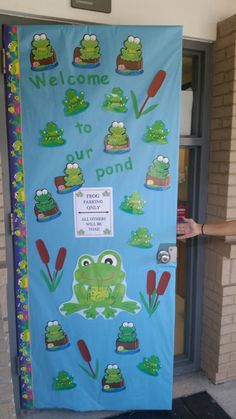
{"type": "Point", "coordinates": [98, 288]}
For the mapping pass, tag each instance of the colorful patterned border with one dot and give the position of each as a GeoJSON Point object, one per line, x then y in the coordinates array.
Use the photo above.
{"type": "Point", "coordinates": [18, 210]}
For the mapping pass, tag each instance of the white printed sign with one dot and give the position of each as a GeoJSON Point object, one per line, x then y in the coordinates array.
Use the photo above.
{"type": "Point", "coordinates": [93, 212]}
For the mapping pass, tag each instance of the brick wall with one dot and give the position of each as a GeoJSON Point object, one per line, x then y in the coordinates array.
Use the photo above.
{"type": "Point", "coordinates": [219, 319]}
{"type": "Point", "coordinates": [7, 409]}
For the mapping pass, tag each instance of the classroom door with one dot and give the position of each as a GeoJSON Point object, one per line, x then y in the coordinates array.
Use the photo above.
{"type": "Point", "coordinates": [93, 126]}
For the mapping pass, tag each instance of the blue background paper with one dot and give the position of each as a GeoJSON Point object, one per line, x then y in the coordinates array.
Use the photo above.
{"type": "Point", "coordinates": [161, 49]}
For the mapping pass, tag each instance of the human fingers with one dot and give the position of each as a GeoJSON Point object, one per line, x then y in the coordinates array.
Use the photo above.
{"type": "Point", "coordinates": [181, 237]}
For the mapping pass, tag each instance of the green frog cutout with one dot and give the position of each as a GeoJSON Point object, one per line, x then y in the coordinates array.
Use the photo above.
{"type": "Point", "coordinates": [113, 380]}
{"type": "Point", "coordinates": [74, 102]}
{"type": "Point", "coordinates": [45, 208]}
{"type": "Point", "coordinates": [133, 204]}
{"type": "Point", "coordinates": [63, 381]}
{"type": "Point", "coordinates": [157, 133]}
{"type": "Point", "coordinates": [51, 135]}
{"type": "Point", "coordinates": [158, 175]}
{"type": "Point", "coordinates": [141, 238]}
{"type": "Point", "coordinates": [130, 61]}
{"type": "Point", "coordinates": [115, 101]}
{"type": "Point", "coordinates": [55, 337]}
{"type": "Point", "coordinates": [117, 141]}
{"type": "Point", "coordinates": [99, 288]}
{"type": "Point", "coordinates": [72, 180]}
{"type": "Point", "coordinates": [88, 55]}
{"type": "Point", "coordinates": [150, 365]}
{"type": "Point", "coordinates": [42, 55]}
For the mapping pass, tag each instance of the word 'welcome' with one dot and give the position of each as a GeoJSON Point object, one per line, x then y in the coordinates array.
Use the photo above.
{"type": "Point", "coordinates": [44, 80]}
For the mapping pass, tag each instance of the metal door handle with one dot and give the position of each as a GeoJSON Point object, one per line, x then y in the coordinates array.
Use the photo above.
{"type": "Point", "coordinates": [163, 256]}
{"type": "Point", "coordinates": [167, 253]}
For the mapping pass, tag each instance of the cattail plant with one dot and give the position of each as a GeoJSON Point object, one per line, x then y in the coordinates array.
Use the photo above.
{"type": "Point", "coordinates": [151, 285]}
{"type": "Point", "coordinates": [154, 292]}
{"type": "Point", "coordinates": [154, 87]}
{"type": "Point", "coordinates": [151, 92]}
{"type": "Point", "coordinates": [44, 255]}
{"type": "Point", "coordinates": [83, 348]}
{"type": "Point", "coordinates": [162, 285]}
{"type": "Point", "coordinates": [60, 260]}
{"type": "Point", "coordinates": [51, 280]}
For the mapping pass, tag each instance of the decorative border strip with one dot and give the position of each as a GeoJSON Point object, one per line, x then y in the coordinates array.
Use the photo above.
{"type": "Point", "coordinates": [15, 147]}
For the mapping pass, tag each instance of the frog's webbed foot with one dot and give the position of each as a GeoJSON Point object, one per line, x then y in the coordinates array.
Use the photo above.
{"type": "Point", "coordinates": [90, 313]}
{"type": "Point", "coordinates": [130, 306]}
{"type": "Point", "coordinates": [109, 312]}
{"type": "Point", "coordinates": [70, 308]}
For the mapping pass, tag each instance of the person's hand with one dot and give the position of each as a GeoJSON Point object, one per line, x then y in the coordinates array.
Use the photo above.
{"type": "Point", "coordinates": [189, 228]}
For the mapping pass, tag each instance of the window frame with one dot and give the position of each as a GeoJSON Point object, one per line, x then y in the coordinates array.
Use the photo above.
{"type": "Point", "coordinates": [197, 144]}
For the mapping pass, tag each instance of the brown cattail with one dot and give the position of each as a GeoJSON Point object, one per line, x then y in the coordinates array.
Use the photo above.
{"type": "Point", "coordinates": [44, 255]}
{"type": "Point", "coordinates": [84, 350]}
{"type": "Point", "coordinates": [43, 252]}
{"type": "Point", "coordinates": [154, 87]}
{"type": "Point", "coordinates": [163, 283]}
{"type": "Point", "coordinates": [151, 284]}
{"type": "Point", "coordinates": [156, 83]}
{"type": "Point", "coordinates": [60, 259]}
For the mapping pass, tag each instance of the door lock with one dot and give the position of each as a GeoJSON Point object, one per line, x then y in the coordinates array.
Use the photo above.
{"type": "Point", "coordinates": [163, 256]}
{"type": "Point", "coordinates": [167, 253]}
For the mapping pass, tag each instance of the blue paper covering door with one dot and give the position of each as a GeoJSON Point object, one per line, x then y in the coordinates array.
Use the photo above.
{"type": "Point", "coordinates": [93, 136]}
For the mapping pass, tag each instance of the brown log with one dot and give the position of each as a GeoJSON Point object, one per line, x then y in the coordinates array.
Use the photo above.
{"type": "Point", "coordinates": [129, 65]}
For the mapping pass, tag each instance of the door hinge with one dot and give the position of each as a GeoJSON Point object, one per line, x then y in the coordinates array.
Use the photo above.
{"type": "Point", "coordinates": [11, 224]}
{"type": "Point", "coordinates": [4, 70]}
{"type": "Point", "coordinates": [17, 364]}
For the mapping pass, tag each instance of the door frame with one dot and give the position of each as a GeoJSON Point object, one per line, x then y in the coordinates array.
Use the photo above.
{"type": "Point", "coordinates": [197, 144]}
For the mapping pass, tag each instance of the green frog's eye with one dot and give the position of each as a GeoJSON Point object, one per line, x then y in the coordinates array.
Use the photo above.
{"type": "Point", "coordinates": [131, 38]}
{"type": "Point", "coordinates": [165, 160]}
{"type": "Point", "coordinates": [69, 166]}
{"type": "Point", "coordinates": [87, 37]}
{"type": "Point", "coordinates": [55, 323]}
{"type": "Point", "coordinates": [109, 260]}
{"type": "Point", "coordinates": [137, 40]}
{"type": "Point", "coordinates": [125, 324]}
{"type": "Point", "coordinates": [85, 262]}
{"type": "Point", "coordinates": [160, 158]}
{"type": "Point", "coordinates": [75, 166]}
{"type": "Point", "coordinates": [121, 124]}
{"type": "Point", "coordinates": [43, 36]}
{"type": "Point", "coordinates": [37, 37]}
{"type": "Point", "coordinates": [109, 367]}
{"type": "Point", "coordinates": [50, 324]}
{"type": "Point", "coordinates": [115, 124]}
{"type": "Point", "coordinates": [39, 192]}
{"type": "Point", "coordinates": [130, 324]}
{"type": "Point", "coordinates": [44, 191]}
{"type": "Point", "coordinates": [115, 367]}
{"type": "Point", "coordinates": [93, 37]}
